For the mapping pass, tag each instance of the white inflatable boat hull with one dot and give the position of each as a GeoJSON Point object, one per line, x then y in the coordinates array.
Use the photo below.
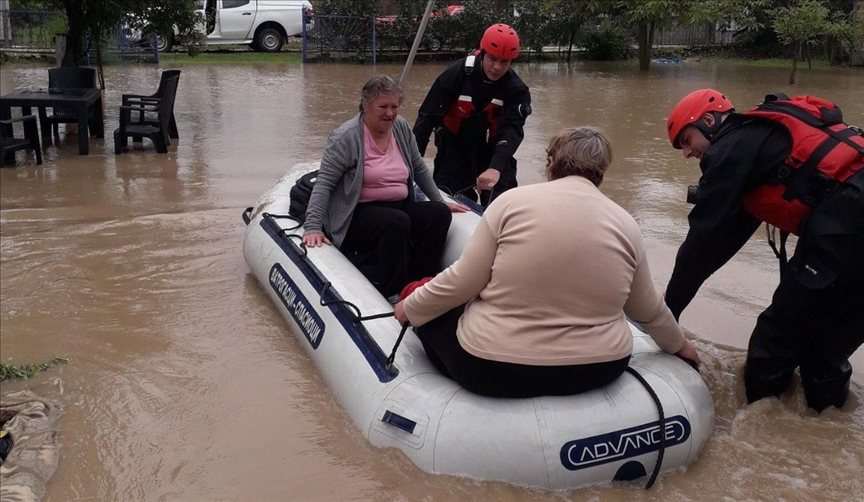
{"type": "Point", "coordinates": [549, 442]}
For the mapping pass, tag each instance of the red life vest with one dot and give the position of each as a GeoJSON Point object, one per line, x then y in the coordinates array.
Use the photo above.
{"type": "Point", "coordinates": [463, 108]}
{"type": "Point", "coordinates": [825, 152]}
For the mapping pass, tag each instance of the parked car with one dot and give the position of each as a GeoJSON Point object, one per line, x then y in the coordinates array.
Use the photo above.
{"type": "Point", "coordinates": [263, 25]}
{"type": "Point", "coordinates": [430, 42]}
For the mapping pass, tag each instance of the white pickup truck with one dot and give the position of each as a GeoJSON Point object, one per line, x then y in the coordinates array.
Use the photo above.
{"type": "Point", "coordinates": [263, 25]}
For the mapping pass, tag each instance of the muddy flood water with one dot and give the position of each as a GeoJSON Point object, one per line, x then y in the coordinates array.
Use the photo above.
{"type": "Point", "coordinates": [185, 384]}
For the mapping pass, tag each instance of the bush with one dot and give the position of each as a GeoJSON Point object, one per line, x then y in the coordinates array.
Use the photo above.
{"type": "Point", "coordinates": [609, 43]}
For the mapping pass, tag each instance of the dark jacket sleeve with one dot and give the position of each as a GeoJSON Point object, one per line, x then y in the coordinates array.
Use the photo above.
{"type": "Point", "coordinates": [719, 224]}
{"type": "Point", "coordinates": [511, 127]}
{"type": "Point", "coordinates": [444, 91]}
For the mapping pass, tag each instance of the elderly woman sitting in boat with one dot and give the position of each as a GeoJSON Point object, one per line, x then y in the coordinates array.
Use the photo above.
{"type": "Point", "coordinates": [538, 302]}
{"type": "Point", "coordinates": [364, 198]}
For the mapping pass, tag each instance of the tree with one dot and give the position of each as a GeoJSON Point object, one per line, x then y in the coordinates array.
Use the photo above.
{"type": "Point", "coordinates": [93, 20]}
{"type": "Point", "coordinates": [566, 19]}
{"type": "Point", "coordinates": [807, 23]}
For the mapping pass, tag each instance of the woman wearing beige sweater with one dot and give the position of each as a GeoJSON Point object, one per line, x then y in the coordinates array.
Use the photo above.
{"type": "Point", "coordinates": [538, 303]}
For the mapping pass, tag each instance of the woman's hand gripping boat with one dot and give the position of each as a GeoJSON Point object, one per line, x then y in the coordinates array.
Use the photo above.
{"type": "Point", "coordinates": [612, 433]}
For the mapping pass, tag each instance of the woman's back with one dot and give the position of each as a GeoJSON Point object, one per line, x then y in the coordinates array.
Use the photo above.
{"type": "Point", "coordinates": [565, 261]}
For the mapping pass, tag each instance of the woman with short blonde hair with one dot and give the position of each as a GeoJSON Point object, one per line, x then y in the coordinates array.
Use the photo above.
{"type": "Point", "coordinates": [579, 151]}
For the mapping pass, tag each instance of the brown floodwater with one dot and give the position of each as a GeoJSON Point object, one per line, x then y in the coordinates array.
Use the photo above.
{"type": "Point", "coordinates": [185, 383]}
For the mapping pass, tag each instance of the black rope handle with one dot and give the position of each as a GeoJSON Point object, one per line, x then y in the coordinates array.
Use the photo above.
{"type": "Point", "coordinates": [392, 355]}
{"type": "Point", "coordinates": [295, 219]}
{"type": "Point", "coordinates": [662, 449]}
{"type": "Point", "coordinates": [359, 317]}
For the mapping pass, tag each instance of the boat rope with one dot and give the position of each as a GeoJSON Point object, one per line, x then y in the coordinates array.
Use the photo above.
{"type": "Point", "coordinates": [466, 190]}
{"type": "Point", "coordinates": [662, 423]}
{"type": "Point", "coordinates": [359, 317]}
{"type": "Point", "coordinates": [355, 310]}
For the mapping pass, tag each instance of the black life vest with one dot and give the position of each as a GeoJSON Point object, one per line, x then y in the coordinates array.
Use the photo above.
{"type": "Point", "coordinates": [825, 152]}
{"type": "Point", "coordinates": [462, 109]}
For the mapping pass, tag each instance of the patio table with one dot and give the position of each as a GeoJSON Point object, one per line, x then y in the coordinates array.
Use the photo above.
{"type": "Point", "coordinates": [80, 101]}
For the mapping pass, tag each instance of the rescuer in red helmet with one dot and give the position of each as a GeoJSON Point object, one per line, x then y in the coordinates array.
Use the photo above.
{"type": "Point", "coordinates": [477, 109]}
{"type": "Point", "coordinates": [793, 164]}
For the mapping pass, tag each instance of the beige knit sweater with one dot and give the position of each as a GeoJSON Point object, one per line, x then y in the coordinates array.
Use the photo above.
{"type": "Point", "coordinates": [550, 273]}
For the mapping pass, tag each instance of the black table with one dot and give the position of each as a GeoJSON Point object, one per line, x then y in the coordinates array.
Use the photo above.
{"type": "Point", "coordinates": [79, 101]}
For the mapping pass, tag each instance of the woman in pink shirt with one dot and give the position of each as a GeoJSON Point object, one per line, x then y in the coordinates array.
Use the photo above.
{"type": "Point", "coordinates": [363, 198]}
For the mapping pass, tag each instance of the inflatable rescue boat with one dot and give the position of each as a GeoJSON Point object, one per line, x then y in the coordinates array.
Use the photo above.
{"type": "Point", "coordinates": [654, 418]}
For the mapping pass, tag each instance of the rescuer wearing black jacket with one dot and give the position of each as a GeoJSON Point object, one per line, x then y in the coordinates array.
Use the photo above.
{"type": "Point", "coordinates": [750, 175]}
{"type": "Point", "coordinates": [477, 108]}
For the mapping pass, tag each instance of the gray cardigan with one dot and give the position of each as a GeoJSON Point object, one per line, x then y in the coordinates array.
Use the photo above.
{"type": "Point", "coordinates": [337, 189]}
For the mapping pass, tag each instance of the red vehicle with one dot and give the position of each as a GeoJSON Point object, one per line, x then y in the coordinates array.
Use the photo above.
{"type": "Point", "coordinates": [431, 43]}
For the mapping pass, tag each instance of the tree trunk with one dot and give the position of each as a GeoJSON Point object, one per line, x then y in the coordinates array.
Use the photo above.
{"type": "Point", "coordinates": [75, 38]}
{"type": "Point", "coordinates": [644, 39]}
{"type": "Point", "coordinates": [794, 69]}
{"type": "Point", "coordinates": [809, 63]}
{"type": "Point", "coordinates": [570, 48]}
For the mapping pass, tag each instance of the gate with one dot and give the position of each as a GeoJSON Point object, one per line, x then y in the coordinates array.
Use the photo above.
{"type": "Point", "coordinates": [351, 38]}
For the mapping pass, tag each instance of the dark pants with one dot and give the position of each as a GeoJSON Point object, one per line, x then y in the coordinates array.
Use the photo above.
{"type": "Point", "coordinates": [394, 243]}
{"type": "Point", "coordinates": [498, 379]}
{"type": "Point", "coordinates": [816, 318]}
{"type": "Point", "coordinates": [460, 161]}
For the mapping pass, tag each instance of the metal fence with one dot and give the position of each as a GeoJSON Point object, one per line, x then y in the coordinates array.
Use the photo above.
{"type": "Point", "coordinates": [350, 38]}
{"type": "Point", "coordinates": [28, 29]}
{"type": "Point", "coordinates": [22, 30]}
{"type": "Point", "coordinates": [703, 34]}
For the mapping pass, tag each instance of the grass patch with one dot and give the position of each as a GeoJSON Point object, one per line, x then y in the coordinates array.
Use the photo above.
{"type": "Point", "coordinates": [784, 63]}
{"type": "Point", "coordinates": [231, 57]}
{"type": "Point", "coordinates": [24, 371]}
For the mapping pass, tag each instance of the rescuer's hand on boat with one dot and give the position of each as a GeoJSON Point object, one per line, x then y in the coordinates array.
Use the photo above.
{"type": "Point", "coordinates": [488, 179]}
{"type": "Point", "coordinates": [689, 354]}
{"type": "Point", "coordinates": [315, 239]}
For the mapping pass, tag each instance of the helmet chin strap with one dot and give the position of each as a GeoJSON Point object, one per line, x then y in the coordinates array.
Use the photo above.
{"type": "Point", "coordinates": [707, 131]}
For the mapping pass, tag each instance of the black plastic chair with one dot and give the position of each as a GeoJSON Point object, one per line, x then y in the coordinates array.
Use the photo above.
{"type": "Point", "coordinates": [153, 99]}
{"type": "Point", "coordinates": [9, 144]}
{"type": "Point", "coordinates": [59, 80]}
{"type": "Point", "coordinates": [155, 130]}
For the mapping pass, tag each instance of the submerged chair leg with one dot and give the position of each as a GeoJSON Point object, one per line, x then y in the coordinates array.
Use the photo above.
{"type": "Point", "coordinates": [172, 128]}
{"type": "Point", "coordinates": [159, 141]}
{"type": "Point", "coordinates": [31, 132]}
{"type": "Point", "coordinates": [118, 149]}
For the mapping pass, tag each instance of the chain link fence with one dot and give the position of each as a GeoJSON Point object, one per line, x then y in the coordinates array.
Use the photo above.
{"type": "Point", "coordinates": [350, 38]}
{"type": "Point", "coordinates": [29, 29]}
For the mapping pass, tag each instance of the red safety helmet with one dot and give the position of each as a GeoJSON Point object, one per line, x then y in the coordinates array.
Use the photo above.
{"type": "Point", "coordinates": [690, 109]}
{"type": "Point", "coordinates": [500, 41]}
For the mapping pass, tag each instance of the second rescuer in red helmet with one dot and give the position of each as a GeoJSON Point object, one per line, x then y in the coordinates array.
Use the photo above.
{"type": "Point", "coordinates": [793, 164]}
{"type": "Point", "coordinates": [477, 109]}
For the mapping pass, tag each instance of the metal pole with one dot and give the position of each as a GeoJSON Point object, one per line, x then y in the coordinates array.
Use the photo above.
{"type": "Point", "coordinates": [416, 45]}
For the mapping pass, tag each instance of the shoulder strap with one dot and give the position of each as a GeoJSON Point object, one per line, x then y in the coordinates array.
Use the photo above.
{"type": "Point", "coordinates": [469, 64]}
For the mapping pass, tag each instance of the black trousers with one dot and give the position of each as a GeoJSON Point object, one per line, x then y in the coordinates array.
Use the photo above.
{"type": "Point", "coordinates": [458, 163]}
{"type": "Point", "coordinates": [394, 243]}
{"type": "Point", "coordinates": [816, 317]}
{"type": "Point", "coordinates": [816, 329]}
{"type": "Point", "coordinates": [498, 379]}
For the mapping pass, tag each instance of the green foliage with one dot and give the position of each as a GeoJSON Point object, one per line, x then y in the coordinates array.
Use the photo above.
{"type": "Point", "coordinates": [608, 43]}
{"type": "Point", "coordinates": [96, 19]}
{"type": "Point", "coordinates": [20, 372]}
{"type": "Point", "coordinates": [57, 24]}
{"type": "Point", "coordinates": [535, 25]}
{"type": "Point", "coordinates": [803, 22]}
{"type": "Point", "coordinates": [473, 21]}
{"type": "Point", "coordinates": [460, 31]}
{"type": "Point", "coordinates": [347, 7]}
